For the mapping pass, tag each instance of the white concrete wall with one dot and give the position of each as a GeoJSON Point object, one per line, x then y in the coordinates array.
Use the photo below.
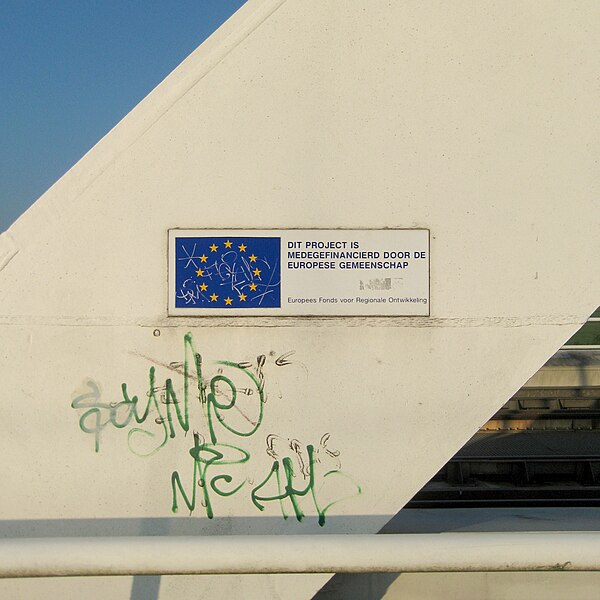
{"type": "Point", "coordinates": [475, 121]}
{"type": "Point", "coordinates": [495, 586]}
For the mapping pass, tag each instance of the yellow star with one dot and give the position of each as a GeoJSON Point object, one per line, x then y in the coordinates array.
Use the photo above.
{"type": "Point", "coordinates": [242, 248]}
{"type": "Point", "coordinates": [200, 273]}
{"type": "Point", "coordinates": [213, 297]}
{"type": "Point", "coordinates": [203, 258]}
{"type": "Point", "coordinates": [253, 287]}
{"type": "Point", "coordinates": [228, 301]}
{"type": "Point", "coordinates": [243, 297]}
{"type": "Point", "coordinates": [228, 244]}
{"type": "Point", "coordinates": [213, 248]}
{"type": "Point", "coordinates": [203, 287]}
{"type": "Point", "coordinates": [253, 258]}
{"type": "Point", "coordinates": [256, 272]}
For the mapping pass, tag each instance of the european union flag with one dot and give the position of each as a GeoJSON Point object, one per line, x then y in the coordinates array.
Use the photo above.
{"type": "Point", "coordinates": [227, 272]}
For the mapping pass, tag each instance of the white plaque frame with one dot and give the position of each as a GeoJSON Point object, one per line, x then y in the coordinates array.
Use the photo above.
{"type": "Point", "coordinates": [352, 272]}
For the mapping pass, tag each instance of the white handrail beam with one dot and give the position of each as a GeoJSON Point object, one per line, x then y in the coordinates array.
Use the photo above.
{"type": "Point", "coordinates": [162, 555]}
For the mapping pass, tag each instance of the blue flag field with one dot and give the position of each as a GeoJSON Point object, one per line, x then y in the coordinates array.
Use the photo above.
{"type": "Point", "coordinates": [227, 272]}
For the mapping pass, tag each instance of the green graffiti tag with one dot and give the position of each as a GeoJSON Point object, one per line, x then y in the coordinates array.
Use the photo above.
{"type": "Point", "coordinates": [206, 456]}
{"type": "Point", "coordinates": [292, 493]}
{"type": "Point", "coordinates": [98, 415]}
{"type": "Point", "coordinates": [297, 474]}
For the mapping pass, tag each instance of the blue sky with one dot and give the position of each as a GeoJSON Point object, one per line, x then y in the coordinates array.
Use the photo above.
{"type": "Point", "coordinates": [71, 69]}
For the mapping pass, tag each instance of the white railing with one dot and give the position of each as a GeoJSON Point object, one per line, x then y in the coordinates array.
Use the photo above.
{"type": "Point", "coordinates": [444, 552]}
